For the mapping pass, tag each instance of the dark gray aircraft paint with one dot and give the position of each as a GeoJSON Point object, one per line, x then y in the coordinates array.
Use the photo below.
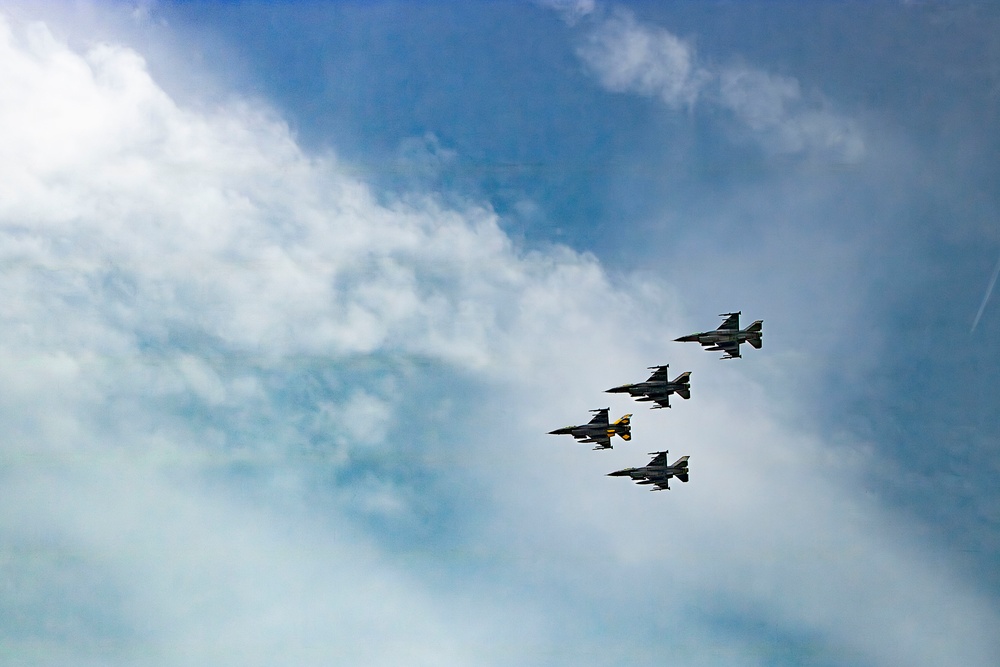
{"type": "Point", "coordinates": [657, 388]}
{"type": "Point", "coordinates": [728, 337]}
{"type": "Point", "coordinates": [657, 471]}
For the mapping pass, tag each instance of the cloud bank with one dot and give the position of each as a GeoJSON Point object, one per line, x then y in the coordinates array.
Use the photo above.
{"type": "Point", "coordinates": [256, 413]}
{"type": "Point", "coordinates": [173, 280]}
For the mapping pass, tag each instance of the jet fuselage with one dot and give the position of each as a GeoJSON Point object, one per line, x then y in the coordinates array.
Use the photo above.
{"type": "Point", "coordinates": [640, 388]}
{"type": "Point", "coordinates": [709, 337]}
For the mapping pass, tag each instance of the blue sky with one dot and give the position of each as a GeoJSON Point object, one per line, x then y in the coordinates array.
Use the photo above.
{"type": "Point", "coordinates": [293, 293]}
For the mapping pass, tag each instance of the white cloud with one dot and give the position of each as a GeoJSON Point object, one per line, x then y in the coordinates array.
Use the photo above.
{"type": "Point", "coordinates": [628, 56]}
{"type": "Point", "coordinates": [143, 10]}
{"type": "Point", "coordinates": [188, 291]}
{"type": "Point", "coordinates": [571, 10]}
{"type": "Point", "coordinates": [773, 106]}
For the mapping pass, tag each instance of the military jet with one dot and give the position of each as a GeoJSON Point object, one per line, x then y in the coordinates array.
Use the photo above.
{"type": "Point", "coordinates": [598, 430]}
{"type": "Point", "coordinates": [657, 471]}
{"type": "Point", "coordinates": [728, 336]}
{"type": "Point", "coordinates": [658, 387]}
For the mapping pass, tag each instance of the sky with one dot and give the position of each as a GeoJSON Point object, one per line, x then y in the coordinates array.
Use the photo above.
{"type": "Point", "coordinates": [294, 292]}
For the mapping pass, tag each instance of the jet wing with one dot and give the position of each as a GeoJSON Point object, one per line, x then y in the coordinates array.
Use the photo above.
{"type": "Point", "coordinates": [732, 322]}
{"type": "Point", "coordinates": [662, 400]}
{"type": "Point", "coordinates": [659, 460]}
{"type": "Point", "coordinates": [600, 417]}
{"type": "Point", "coordinates": [602, 440]}
{"type": "Point", "coordinates": [731, 348]}
{"type": "Point", "coordinates": [659, 374]}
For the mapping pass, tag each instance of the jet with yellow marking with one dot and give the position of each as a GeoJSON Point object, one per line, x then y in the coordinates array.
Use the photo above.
{"type": "Point", "coordinates": [599, 430]}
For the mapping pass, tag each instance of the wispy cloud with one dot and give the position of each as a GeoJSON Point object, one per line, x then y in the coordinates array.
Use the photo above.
{"type": "Point", "coordinates": [629, 56]}
{"type": "Point", "coordinates": [774, 108]}
{"type": "Point", "coordinates": [570, 10]}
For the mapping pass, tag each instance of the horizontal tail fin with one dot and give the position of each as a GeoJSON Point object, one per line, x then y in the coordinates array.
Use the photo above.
{"type": "Point", "coordinates": [756, 332]}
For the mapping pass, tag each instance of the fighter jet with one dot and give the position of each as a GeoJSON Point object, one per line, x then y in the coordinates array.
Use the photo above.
{"type": "Point", "coordinates": [598, 430]}
{"type": "Point", "coordinates": [657, 471]}
{"type": "Point", "coordinates": [657, 388]}
{"type": "Point", "coordinates": [727, 338]}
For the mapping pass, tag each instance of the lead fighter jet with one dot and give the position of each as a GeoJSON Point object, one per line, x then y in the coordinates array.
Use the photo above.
{"type": "Point", "coordinates": [728, 336]}
{"type": "Point", "coordinates": [598, 430]}
{"type": "Point", "coordinates": [658, 387]}
{"type": "Point", "coordinates": [657, 471]}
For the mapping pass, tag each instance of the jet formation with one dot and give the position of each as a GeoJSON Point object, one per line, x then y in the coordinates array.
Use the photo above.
{"type": "Point", "coordinates": [658, 389]}
{"type": "Point", "coordinates": [728, 337]}
{"type": "Point", "coordinates": [657, 471]}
